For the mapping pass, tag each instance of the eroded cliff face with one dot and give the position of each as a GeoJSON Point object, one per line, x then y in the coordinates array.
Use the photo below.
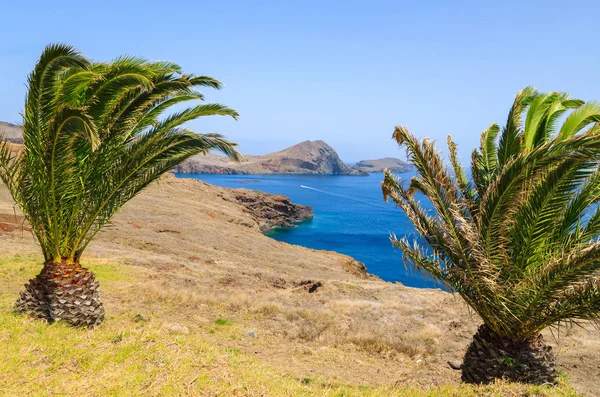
{"type": "Point", "coordinates": [308, 157]}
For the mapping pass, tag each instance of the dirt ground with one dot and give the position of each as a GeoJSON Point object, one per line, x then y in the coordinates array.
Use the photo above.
{"type": "Point", "coordinates": [210, 256]}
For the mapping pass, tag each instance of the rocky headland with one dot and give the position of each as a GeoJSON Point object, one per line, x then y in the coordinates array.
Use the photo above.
{"type": "Point", "coordinates": [308, 157]}
{"type": "Point", "coordinates": [269, 210]}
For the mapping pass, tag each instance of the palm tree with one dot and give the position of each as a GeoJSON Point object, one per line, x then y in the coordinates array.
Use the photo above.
{"type": "Point", "coordinates": [519, 240]}
{"type": "Point", "coordinates": [95, 135]}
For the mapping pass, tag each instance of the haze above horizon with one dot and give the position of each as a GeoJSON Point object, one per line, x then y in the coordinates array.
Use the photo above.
{"type": "Point", "coordinates": [345, 74]}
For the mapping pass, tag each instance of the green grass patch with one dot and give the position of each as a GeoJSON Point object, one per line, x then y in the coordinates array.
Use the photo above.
{"type": "Point", "coordinates": [222, 322]}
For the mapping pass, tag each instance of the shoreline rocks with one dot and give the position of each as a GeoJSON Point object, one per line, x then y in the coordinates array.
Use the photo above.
{"type": "Point", "coordinates": [271, 210]}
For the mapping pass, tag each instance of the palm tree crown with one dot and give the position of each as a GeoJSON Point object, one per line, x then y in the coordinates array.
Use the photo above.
{"type": "Point", "coordinates": [95, 134]}
{"type": "Point", "coordinates": [519, 240]}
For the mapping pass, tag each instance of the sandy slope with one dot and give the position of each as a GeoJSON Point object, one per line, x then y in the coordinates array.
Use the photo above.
{"type": "Point", "coordinates": [354, 329]}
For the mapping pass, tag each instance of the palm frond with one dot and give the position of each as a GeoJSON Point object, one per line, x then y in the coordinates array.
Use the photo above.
{"type": "Point", "coordinates": [510, 140]}
{"type": "Point", "coordinates": [581, 118]}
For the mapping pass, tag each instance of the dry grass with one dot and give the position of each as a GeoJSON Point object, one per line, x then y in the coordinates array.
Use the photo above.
{"type": "Point", "coordinates": [386, 346]}
{"type": "Point", "coordinates": [189, 343]}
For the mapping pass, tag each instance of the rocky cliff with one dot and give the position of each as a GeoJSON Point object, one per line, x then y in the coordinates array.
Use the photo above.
{"type": "Point", "coordinates": [308, 157]}
{"type": "Point", "coordinates": [269, 210]}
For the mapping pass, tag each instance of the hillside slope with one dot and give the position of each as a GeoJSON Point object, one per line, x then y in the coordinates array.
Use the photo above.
{"type": "Point", "coordinates": [308, 157]}
{"type": "Point", "coordinates": [11, 132]}
{"type": "Point", "coordinates": [200, 302]}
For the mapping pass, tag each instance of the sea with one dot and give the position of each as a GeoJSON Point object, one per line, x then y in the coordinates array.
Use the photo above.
{"type": "Point", "coordinates": [350, 217]}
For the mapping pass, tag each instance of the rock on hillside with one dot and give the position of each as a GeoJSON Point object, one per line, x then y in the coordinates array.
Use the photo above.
{"type": "Point", "coordinates": [11, 132]}
{"type": "Point", "coordinates": [390, 163]}
{"type": "Point", "coordinates": [308, 157]}
{"type": "Point", "coordinates": [270, 210]}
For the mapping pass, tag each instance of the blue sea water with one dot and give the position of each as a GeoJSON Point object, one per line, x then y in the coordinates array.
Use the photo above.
{"type": "Point", "coordinates": [350, 217]}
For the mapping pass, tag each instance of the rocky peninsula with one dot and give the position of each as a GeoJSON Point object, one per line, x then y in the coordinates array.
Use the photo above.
{"type": "Point", "coordinates": [269, 210]}
{"type": "Point", "coordinates": [308, 157]}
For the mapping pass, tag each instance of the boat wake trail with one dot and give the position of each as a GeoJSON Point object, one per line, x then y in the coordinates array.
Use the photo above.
{"type": "Point", "coordinates": [312, 188]}
{"type": "Point", "coordinates": [345, 197]}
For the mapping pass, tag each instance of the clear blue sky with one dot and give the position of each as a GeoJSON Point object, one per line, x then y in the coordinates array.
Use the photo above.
{"type": "Point", "coordinates": [342, 71]}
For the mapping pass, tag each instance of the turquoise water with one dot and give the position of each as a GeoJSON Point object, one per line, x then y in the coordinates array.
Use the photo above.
{"type": "Point", "coordinates": [350, 217]}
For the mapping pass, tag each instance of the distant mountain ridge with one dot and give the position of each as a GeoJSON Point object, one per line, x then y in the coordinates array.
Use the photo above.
{"type": "Point", "coordinates": [308, 157]}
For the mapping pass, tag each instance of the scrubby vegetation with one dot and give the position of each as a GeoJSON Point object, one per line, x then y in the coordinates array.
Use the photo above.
{"type": "Point", "coordinates": [519, 240]}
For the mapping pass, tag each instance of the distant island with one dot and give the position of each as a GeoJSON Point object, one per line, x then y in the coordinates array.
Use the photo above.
{"type": "Point", "coordinates": [379, 165]}
{"type": "Point", "coordinates": [308, 157]}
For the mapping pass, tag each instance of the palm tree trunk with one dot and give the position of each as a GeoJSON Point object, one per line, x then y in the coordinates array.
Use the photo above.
{"type": "Point", "coordinates": [491, 357]}
{"type": "Point", "coordinates": [63, 291]}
